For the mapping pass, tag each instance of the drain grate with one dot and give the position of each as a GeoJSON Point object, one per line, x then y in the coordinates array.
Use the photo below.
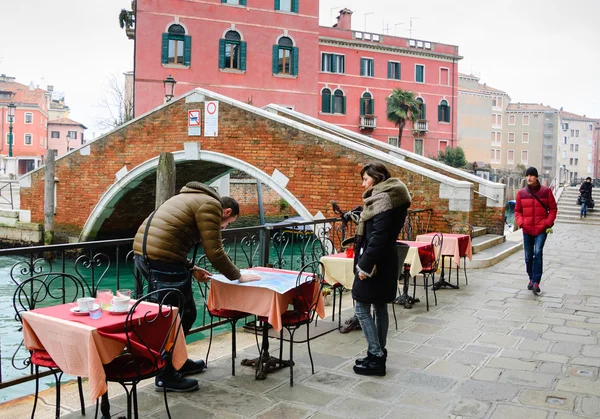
{"type": "Point", "coordinates": [557, 401]}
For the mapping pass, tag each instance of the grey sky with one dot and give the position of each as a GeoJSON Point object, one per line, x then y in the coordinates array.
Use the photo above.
{"type": "Point", "coordinates": [536, 51]}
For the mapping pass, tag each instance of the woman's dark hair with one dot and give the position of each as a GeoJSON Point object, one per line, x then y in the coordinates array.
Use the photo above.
{"type": "Point", "coordinates": [229, 202]}
{"type": "Point", "coordinates": [377, 171]}
{"type": "Point", "coordinates": [588, 178]}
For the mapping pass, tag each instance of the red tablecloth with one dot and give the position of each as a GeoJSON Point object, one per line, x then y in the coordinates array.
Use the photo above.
{"type": "Point", "coordinates": [455, 245]}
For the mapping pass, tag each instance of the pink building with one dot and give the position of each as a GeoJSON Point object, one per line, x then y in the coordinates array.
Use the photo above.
{"type": "Point", "coordinates": [266, 51]}
{"type": "Point", "coordinates": [64, 135]}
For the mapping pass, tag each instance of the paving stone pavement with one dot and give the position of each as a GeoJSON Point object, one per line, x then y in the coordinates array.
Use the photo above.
{"type": "Point", "coordinates": [490, 350]}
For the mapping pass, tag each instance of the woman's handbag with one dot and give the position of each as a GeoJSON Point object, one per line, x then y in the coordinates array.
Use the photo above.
{"type": "Point", "coordinates": [579, 200]}
{"type": "Point", "coordinates": [590, 203]}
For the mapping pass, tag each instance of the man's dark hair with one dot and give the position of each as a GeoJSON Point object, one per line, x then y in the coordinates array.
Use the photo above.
{"type": "Point", "coordinates": [588, 178]}
{"type": "Point", "coordinates": [377, 171]}
{"type": "Point", "coordinates": [229, 202]}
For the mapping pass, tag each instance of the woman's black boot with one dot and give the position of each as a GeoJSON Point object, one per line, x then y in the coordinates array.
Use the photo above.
{"type": "Point", "coordinates": [361, 361]}
{"type": "Point", "coordinates": [374, 366]}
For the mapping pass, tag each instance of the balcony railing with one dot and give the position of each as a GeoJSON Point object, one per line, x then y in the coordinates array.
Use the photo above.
{"type": "Point", "coordinates": [368, 122]}
{"type": "Point", "coordinates": [421, 125]}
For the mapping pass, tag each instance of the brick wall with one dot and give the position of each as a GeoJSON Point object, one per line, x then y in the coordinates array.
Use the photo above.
{"type": "Point", "coordinates": [319, 171]}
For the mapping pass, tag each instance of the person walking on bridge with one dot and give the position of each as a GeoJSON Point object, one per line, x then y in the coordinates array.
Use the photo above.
{"type": "Point", "coordinates": [586, 196]}
{"type": "Point", "coordinates": [535, 212]}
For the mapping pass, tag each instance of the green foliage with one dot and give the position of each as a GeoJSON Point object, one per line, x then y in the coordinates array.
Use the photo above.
{"type": "Point", "coordinates": [453, 156]}
{"type": "Point", "coordinates": [283, 204]}
{"type": "Point", "coordinates": [402, 106]}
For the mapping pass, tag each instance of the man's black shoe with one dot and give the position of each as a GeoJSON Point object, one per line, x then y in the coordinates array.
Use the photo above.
{"type": "Point", "coordinates": [174, 381]}
{"type": "Point", "coordinates": [362, 361]}
{"type": "Point", "coordinates": [192, 367]}
{"type": "Point", "coordinates": [530, 285]}
{"type": "Point", "coordinates": [536, 288]}
{"type": "Point", "coordinates": [375, 366]}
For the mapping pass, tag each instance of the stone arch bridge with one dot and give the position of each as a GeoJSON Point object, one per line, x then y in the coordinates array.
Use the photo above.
{"type": "Point", "coordinates": [107, 187]}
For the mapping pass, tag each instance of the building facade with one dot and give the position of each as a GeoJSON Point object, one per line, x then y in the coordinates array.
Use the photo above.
{"type": "Point", "coordinates": [261, 52]}
{"type": "Point", "coordinates": [65, 135]}
{"type": "Point", "coordinates": [576, 145]}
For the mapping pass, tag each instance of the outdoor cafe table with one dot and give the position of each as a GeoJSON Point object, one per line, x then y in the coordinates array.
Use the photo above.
{"type": "Point", "coordinates": [454, 246]}
{"type": "Point", "coordinates": [80, 345]}
{"type": "Point", "coordinates": [269, 297]}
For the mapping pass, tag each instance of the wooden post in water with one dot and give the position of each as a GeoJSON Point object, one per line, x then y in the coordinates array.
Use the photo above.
{"type": "Point", "coordinates": [165, 178]}
{"type": "Point", "coordinates": [49, 198]}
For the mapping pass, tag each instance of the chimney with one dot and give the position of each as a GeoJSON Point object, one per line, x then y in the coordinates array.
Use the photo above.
{"type": "Point", "coordinates": [31, 86]}
{"type": "Point", "coordinates": [50, 88]}
{"type": "Point", "coordinates": [344, 20]}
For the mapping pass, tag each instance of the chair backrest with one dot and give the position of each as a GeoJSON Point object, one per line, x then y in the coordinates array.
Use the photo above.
{"type": "Point", "coordinates": [462, 228]}
{"type": "Point", "coordinates": [47, 289]}
{"type": "Point", "coordinates": [402, 250]}
{"type": "Point", "coordinates": [149, 331]}
{"type": "Point", "coordinates": [437, 242]}
{"type": "Point", "coordinates": [309, 286]}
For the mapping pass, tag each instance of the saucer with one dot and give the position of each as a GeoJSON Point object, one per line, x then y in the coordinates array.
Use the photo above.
{"type": "Point", "coordinates": [75, 310]}
{"type": "Point", "coordinates": [112, 310]}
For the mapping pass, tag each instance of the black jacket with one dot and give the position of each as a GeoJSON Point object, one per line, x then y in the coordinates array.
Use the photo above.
{"type": "Point", "coordinates": [586, 190]}
{"type": "Point", "coordinates": [378, 249]}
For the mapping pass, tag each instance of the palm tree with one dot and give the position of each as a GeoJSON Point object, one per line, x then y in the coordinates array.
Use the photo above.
{"type": "Point", "coordinates": [401, 107]}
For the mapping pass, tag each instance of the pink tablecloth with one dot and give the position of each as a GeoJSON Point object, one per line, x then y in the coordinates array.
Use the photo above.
{"type": "Point", "coordinates": [255, 300]}
{"type": "Point", "coordinates": [80, 345]}
{"type": "Point", "coordinates": [455, 245]}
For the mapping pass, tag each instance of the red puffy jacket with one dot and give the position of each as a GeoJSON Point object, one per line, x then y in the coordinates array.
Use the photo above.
{"type": "Point", "coordinates": [531, 216]}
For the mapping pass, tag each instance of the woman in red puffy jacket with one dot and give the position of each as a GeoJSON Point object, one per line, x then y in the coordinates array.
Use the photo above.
{"type": "Point", "coordinates": [535, 212]}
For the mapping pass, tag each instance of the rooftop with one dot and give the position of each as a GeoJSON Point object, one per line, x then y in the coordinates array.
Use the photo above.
{"type": "Point", "coordinates": [531, 107]}
{"type": "Point", "coordinates": [23, 94]}
{"type": "Point", "coordinates": [65, 121]}
{"type": "Point", "coordinates": [574, 116]}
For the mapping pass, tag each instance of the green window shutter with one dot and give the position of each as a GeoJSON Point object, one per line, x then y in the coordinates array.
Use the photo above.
{"type": "Point", "coordinates": [326, 103]}
{"type": "Point", "coordinates": [242, 2]}
{"type": "Point", "coordinates": [424, 115]}
{"type": "Point", "coordinates": [440, 113]}
{"type": "Point", "coordinates": [372, 107]}
{"type": "Point", "coordinates": [294, 61]}
{"type": "Point", "coordinates": [333, 63]}
{"type": "Point", "coordinates": [295, 6]}
{"type": "Point", "coordinates": [243, 56]}
{"type": "Point", "coordinates": [447, 114]}
{"type": "Point", "coordinates": [344, 105]}
{"type": "Point", "coordinates": [420, 74]}
{"type": "Point", "coordinates": [362, 106]}
{"type": "Point", "coordinates": [275, 59]}
{"type": "Point", "coordinates": [165, 48]}
{"type": "Point", "coordinates": [390, 69]}
{"type": "Point", "coordinates": [277, 7]}
{"type": "Point", "coordinates": [223, 1]}
{"type": "Point", "coordinates": [221, 53]}
{"type": "Point", "coordinates": [399, 72]}
{"type": "Point", "coordinates": [362, 66]}
{"type": "Point", "coordinates": [187, 50]}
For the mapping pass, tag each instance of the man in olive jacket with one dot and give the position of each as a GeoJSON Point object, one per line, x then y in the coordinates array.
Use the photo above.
{"type": "Point", "coordinates": [196, 214]}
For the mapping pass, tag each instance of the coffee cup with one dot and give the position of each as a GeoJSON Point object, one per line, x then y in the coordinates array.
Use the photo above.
{"type": "Point", "coordinates": [85, 304]}
{"type": "Point", "coordinates": [121, 303]}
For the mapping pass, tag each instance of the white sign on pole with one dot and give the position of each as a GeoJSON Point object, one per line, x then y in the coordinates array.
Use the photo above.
{"type": "Point", "coordinates": [211, 118]}
{"type": "Point", "coordinates": [194, 122]}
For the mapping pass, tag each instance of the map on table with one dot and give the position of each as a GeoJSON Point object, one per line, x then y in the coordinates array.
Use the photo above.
{"type": "Point", "coordinates": [280, 282]}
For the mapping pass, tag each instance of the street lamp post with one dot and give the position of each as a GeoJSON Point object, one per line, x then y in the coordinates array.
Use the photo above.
{"type": "Point", "coordinates": [169, 84]}
{"type": "Point", "coordinates": [11, 117]}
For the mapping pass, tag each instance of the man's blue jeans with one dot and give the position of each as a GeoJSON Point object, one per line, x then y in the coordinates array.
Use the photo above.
{"type": "Point", "coordinates": [534, 257]}
{"type": "Point", "coordinates": [583, 207]}
{"type": "Point", "coordinates": [375, 330]}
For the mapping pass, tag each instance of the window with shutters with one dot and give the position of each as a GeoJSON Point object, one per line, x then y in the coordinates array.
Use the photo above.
{"type": "Point", "coordinates": [232, 52]}
{"type": "Point", "coordinates": [419, 146]}
{"type": "Point", "coordinates": [235, 2]}
{"type": "Point", "coordinates": [367, 67]}
{"type": "Point", "coordinates": [367, 104]}
{"type": "Point", "coordinates": [444, 76]}
{"type": "Point", "coordinates": [55, 134]}
{"type": "Point", "coordinates": [510, 156]}
{"type": "Point", "coordinates": [326, 100]}
{"type": "Point", "coordinates": [28, 139]}
{"type": "Point", "coordinates": [28, 118]}
{"type": "Point", "coordinates": [287, 5]}
{"type": "Point", "coordinates": [422, 109]}
{"type": "Point", "coordinates": [443, 111]}
{"type": "Point", "coordinates": [419, 73]}
{"type": "Point", "coordinates": [524, 156]}
{"type": "Point", "coordinates": [333, 63]}
{"type": "Point", "coordinates": [285, 57]}
{"type": "Point", "coordinates": [339, 102]}
{"type": "Point", "coordinates": [176, 47]}
{"type": "Point", "coordinates": [393, 141]}
{"type": "Point", "coordinates": [393, 70]}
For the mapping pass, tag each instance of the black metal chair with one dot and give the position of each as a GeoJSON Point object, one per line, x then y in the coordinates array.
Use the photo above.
{"type": "Point", "coordinates": [428, 271]}
{"type": "Point", "coordinates": [231, 316]}
{"type": "Point", "coordinates": [324, 246]}
{"type": "Point", "coordinates": [146, 354]}
{"type": "Point", "coordinates": [309, 285]}
{"type": "Point", "coordinates": [43, 290]}
{"type": "Point", "coordinates": [461, 228]}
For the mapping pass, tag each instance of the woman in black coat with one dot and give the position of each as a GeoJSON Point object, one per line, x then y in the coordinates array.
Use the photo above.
{"type": "Point", "coordinates": [586, 196]}
{"type": "Point", "coordinates": [386, 201]}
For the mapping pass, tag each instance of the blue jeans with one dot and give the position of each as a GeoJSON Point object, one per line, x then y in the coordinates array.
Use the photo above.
{"type": "Point", "coordinates": [375, 330]}
{"type": "Point", "coordinates": [583, 207]}
{"type": "Point", "coordinates": [534, 255]}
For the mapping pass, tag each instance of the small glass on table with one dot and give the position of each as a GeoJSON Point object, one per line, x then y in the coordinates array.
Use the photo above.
{"type": "Point", "coordinates": [95, 310]}
{"type": "Point", "coordinates": [124, 293]}
{"type": "Point", "coordinates": [105, 297]}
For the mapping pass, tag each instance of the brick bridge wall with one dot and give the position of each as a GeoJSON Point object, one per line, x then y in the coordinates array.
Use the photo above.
{"type": "Point", "coordinates": [319, 170]}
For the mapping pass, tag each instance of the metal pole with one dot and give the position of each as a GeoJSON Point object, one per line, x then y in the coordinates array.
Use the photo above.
{"type": "Point", "coordinates": [261, 208]}
{"type": "Point", "coordinates": [10, 138]}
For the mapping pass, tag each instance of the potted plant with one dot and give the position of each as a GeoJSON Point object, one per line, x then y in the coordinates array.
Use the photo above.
{"type": "Point", "coordinates": [326, 296]}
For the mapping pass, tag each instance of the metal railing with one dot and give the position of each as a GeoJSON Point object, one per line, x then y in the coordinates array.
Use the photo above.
{"type": "Point", "coordinates": [421, 125]}
{"type": "Point", "coordinates": [6, 194]}
{"type": "Point", "coordinates": [368, 122]}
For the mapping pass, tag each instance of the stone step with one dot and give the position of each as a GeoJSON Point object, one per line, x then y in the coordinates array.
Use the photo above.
{"type": "Point", "coordinates": [479, 231]}
{"type": "Point", "coordinates": [486, 241]}
{"type": "Point", "coordinates": [497, 253]}
{"type": "Point", "coordinates": [568, 219]}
